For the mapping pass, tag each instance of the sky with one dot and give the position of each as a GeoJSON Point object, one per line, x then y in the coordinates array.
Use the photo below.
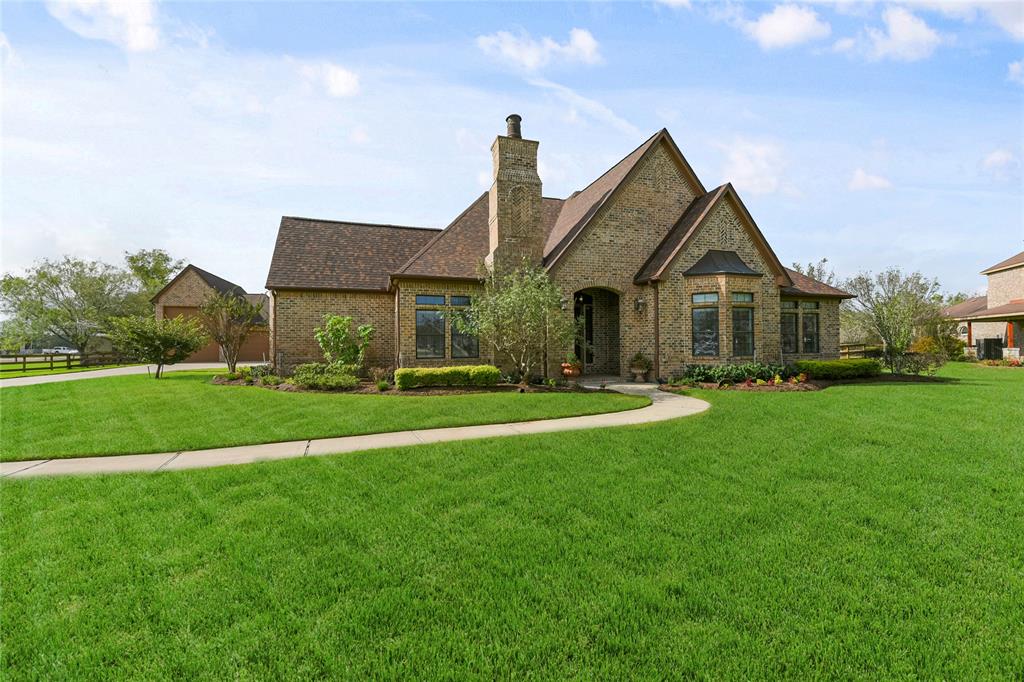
{"type": "Point", "coordinates": [872, 134]}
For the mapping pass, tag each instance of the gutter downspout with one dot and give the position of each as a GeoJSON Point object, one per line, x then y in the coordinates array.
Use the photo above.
{"type": "Point", "coordinates": [273, 335]}
{"type": "Point", "coordinates": [398, 328]}
{"type": "Point", "coordinates": [657, 332]}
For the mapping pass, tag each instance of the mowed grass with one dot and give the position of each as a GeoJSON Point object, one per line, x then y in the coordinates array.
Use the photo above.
{"type": "Point", "coordinates": [184, 411]}
{"type": "Point", "coordinates": [864, 531]}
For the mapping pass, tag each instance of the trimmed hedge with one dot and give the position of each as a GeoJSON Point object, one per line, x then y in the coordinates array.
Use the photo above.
{"type": "Point", "coordinates": [853, 368]}
{"type": "Point", "coordinates": [468, 375]}
{"type": "Point", "coordinates": [324, 377]}
{"type": "Point", "coordinates": [735, 373]}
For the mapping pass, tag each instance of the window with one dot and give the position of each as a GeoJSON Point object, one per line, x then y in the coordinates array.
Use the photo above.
{"type": "Point", "coordinates": [464, 345]}
{"type": "Point", "coordinates": [809, 305]}
{"type": "Point", "coordinates": [429, 334]}
{"type": "Point", "coordinates": [788, 326]}
{"type": "Point", "coordinates": [789, 305]}
{"type": "Point", "coordinates": [743, 332]}
{"type": "Point", "coordinates": [460, 300]}
{"type": "Point", "coordinates": [810, 332]}
{"type": "Point", "coordinates": [425, 299]}
{"type": "Point", "coordinates": [705, 332]}
{"type": "Point", "coordinates": [706, 298]}
{"type": "Point", "coordinates": [742, 297]}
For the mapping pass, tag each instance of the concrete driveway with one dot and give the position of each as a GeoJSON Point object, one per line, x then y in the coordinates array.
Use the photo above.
{"type": "Point", "coordinates": [112, 372]}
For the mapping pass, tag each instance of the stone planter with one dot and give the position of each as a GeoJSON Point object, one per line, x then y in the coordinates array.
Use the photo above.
{"type": "Point", "coordinates": [639, 375]}
{"type": "Point", "coordinates": [570, 371]}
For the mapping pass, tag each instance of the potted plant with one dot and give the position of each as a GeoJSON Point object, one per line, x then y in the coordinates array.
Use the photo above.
{"type": "Point", "coordinates": [640, 365]}
{"type": "Point", "coordinates": [571, 367]}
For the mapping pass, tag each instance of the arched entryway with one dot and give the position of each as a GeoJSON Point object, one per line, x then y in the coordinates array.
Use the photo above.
{"type": "Point", "coordinates": [597, 311]}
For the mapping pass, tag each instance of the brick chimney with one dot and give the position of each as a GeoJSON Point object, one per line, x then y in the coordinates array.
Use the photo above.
{"type": "Point", "coordinates": [514, 201]}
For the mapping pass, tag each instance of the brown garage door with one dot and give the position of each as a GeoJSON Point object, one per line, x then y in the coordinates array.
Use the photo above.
{"type": "Point", "coordinates": [208, 353]}
{"type": "Point", "coordinates": [256, 347]}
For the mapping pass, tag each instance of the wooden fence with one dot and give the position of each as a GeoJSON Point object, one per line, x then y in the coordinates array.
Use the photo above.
{"type": "Point", "coordinates": [51, 361]}
{"type": "Point", "coordinates": [853, 350]}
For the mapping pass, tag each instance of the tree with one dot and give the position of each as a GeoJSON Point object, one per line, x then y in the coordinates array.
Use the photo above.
{"type": "Point", "coordinates": [896, 307]}
{"type": "Point", "coordinates": [151, 270]}
{"type": "Point", "coordinates": [160, 342]}
{"type": "Point", "coordinates": [519, 314]}
{"type": "Point", "coordinates": [228, 319]}
{"type": "Point", "coordinates": [72, 298]}
{"type": "Point", "coordinates": [339, 344]}
{"type": "Point", "coordinates": [819, 271]}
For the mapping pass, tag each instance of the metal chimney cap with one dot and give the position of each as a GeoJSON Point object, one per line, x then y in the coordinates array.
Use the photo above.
{"type": "Point", "coordinates": [514, 129]}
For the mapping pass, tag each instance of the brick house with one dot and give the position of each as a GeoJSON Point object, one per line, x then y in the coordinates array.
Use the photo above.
{"type": "Point", "coordinates": [993, 324]}
{"type": "Point", "coordinates": [189, 289]}
{"type": "Point", "coordinates": [649, 259]}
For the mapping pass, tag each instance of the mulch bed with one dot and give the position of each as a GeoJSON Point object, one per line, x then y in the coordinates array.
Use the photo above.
{"type": "Point", "coordinates": [368, 387]}
{"type": "Point", "coordinates": [815, 384]}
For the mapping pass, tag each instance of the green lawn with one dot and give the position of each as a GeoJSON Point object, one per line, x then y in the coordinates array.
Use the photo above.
{"type": "Point", "coordinates": [184, 411]}
{"type": "Point", "coordinates": [865, 531]}
{"type": "Point", "coordinates": [37, 369]}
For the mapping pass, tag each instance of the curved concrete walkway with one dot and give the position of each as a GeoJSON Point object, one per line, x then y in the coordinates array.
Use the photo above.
{"type": "Point", "coordinates": [111, 372]}
{"type": "Point", "coordinates": [663, 406]}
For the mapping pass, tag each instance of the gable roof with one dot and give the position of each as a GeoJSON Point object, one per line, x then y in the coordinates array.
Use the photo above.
{"type": "Point", "coordinates": [966, 308]}
{"type": "Point", "coordinates": [334, 255]}
{"type": "Point", "coordinates": [457, 251]}
{"type": "Point", "coordinates": [807, 286]}
{"type": "Point", "coordinates": [583, 205]}
{"type": "Point", "coordinates": [687, 226]}
{"type": "Point", "coordinates": [1011, 262]}
{"type": "Point", "coordinates": [716, 262]}
{"type": "Point", "coordinates": [218, 284]}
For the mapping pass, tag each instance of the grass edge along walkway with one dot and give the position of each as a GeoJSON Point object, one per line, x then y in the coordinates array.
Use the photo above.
{"type": "Point", "coordinates": [663, 406]}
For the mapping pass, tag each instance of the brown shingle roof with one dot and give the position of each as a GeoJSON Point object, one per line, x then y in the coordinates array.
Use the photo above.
{"type": "Point", "coordinates": [218, 284]}
{"type": "Point", "coordinates": [458, 251]}
{"type": "Point", "coordinates": [327, 254]}
{"type": "Point", "coordinates": [805, 286]}
{"type": "Point", "coordinates": [1013, 309]}
{"type": "Point", "coordinates": [1011, 262]}
{"type": "Point", "coordinates": [966, 308]}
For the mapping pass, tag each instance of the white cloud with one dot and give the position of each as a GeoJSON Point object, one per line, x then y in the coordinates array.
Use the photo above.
{"type": "Point", "coordinates": [844, 45]}
{"type": "Point", "coordinates": [129, 24]}
{"type": "Point", "coordinates": [1006, 14]}
{"type": "Point", "coordinates": [862, 180]}
{"type": "Point", "coordinates": [7, 53]}
{"type": "Point", "coordinates": [1000, 163]}
{"type": "Point", "coordinates": [786, 26]}
{"type": "Point", "coordinates": [591, 108]}
{"type": "Point", "coordinates": [1015, 71]}
{"type": "Point", "coordinates": [906, 37]}
{"type": "Point", "coordinates": [683, 4]}
{"type": "Point", "coordinates": [336, 80]}
{"type": "Point", "coordinates": [755, 166]}
{"type": "Point", "coordinates": [527, 53]}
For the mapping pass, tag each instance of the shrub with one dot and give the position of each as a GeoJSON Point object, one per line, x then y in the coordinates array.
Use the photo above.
{"type": "Point", "coordinates": [379, 374]}
{"type": "Point", "coordinates": [383, 385]}
{"type": "Point", "coordinates": [270, 380]}
{"type": "Point", "coordinates": [734, 373]}
{"type": "Point", "coordinates": [161, 342]}
{"type": "Point", "coordinates": [338, 342]}
{"type": "Point", "coordinates": [325, 377]}
{"type": "Point", "coordinates": [839, 369]}
{"type": "Point", "coordinates": [468, 375]}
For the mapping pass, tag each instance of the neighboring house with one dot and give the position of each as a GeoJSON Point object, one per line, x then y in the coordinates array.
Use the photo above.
{"type": "Point", "coordinates": [648, 258]}
{"type": "Point", "coordinates": [189, 289]}
{"type": "Point", "coordinates": [993, 325]}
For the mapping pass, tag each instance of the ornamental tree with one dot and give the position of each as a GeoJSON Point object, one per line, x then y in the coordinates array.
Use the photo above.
{"type": "Point", "coordinates": [896, 307]}
{"type": "Point", "coordinates": [339, 343]}
{"type": "Point", "coordinates": [159, 342]}
{"type": "Point", "coordinates": [229, 319]}
{"type": "Point", "coordinates": [519, 314]}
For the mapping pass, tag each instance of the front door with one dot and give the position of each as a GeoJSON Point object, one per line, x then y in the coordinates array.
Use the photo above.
{"type": "Point", "coordinates": [584, 310]}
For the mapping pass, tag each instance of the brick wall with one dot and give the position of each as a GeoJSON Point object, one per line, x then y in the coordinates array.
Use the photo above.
{"type": "Point", "coordinates": [189, 291]}
{"type": "Point", "coordinates": [1005, 286]}
{"type": "Point", "coordinates": [616, 244]}
{"type": "Point", "coordinates": [295, 314]}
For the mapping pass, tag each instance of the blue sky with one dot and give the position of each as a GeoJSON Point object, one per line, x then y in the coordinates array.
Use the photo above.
{"type": "Point", "coordinates": [873, 134]}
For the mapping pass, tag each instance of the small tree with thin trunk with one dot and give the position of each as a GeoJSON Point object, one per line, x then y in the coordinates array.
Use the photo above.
{"type": "Point", "coordinates": [160, 342]}
{"type": "Point", "coordinates": [896, 307]}
{"type": "Point", "coordinates": [518, 314]}
{"type": "Point", "coordinates": [229, 319]}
